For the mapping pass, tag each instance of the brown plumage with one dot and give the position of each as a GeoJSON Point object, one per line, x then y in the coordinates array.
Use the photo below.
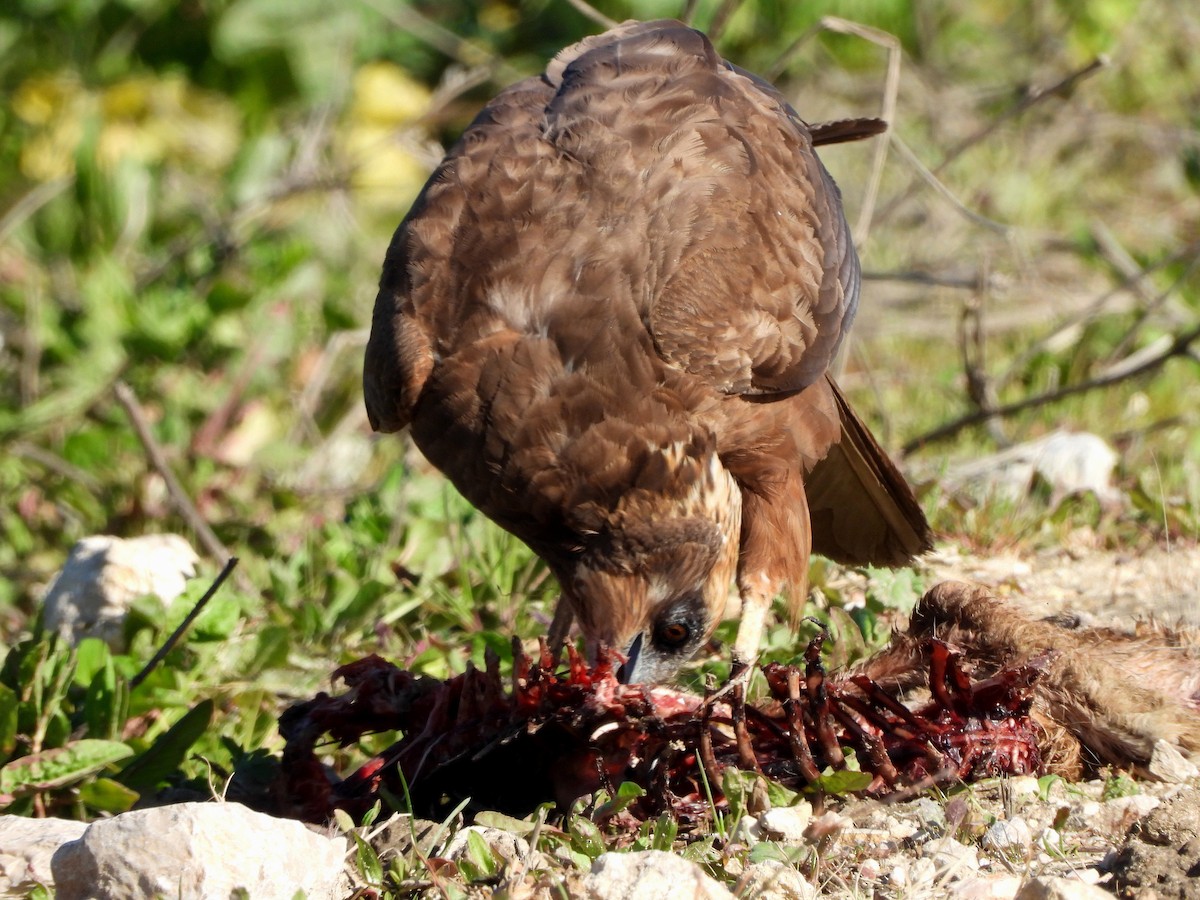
{"type": "Point", "coordinates": [608, 319]}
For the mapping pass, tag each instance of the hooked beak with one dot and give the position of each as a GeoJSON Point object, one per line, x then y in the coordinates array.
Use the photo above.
{"type": "Point", "coordinates": [628, 670]}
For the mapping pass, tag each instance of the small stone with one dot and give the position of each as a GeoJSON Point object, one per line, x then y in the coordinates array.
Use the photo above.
{"type": "Point", "coordinates": [1118, 815]}
{"type": "Point", "coordinates": [103, 575]}
{"type": "Point", "coordinates": [1011, 838]}
{"type": "Point", "coordinates": [772, 880]}
{"type": "Point", "coordinates": [1169, 765]}
{"type": "Point", "coordinates": [199, 850]}
{"type": "Point", "coordinates": [747, 831]}
{"type": "Point", "coordinates": [923, 872]}
{"type": "Point", "coordinates": [827, 825]}
{"type": "Point", "coordinates": [1051, 840]}
{"type": "Point", "coordinates": [870, 869]}
{"type": "Point", "coordinates": [26, 846]}
{"type": "Point", "coordinates": [787, 823]}
{"type": "Point", "coordinates": [931, 813]}
{"type": "Point", "coordinates": [1060, 889]}
{"type": "Point", "coordinates": [900, 829]}
{"type": "Point", "coordinates": [649, 875]}
{"type": "Point", "coordinates": [951, 857]}
{"type": "Point", "coordinates": [508, 848]}
{"type": "Point", "coordinates": [1001, 887]}
{"type": "Point", "coordinates": [1023, 786]}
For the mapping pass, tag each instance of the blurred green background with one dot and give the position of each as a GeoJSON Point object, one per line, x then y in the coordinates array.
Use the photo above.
{"type": "Point", "coordinates": [195, 199]}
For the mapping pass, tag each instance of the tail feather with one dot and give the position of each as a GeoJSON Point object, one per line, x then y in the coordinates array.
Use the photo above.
{"type": "Point", "coordinates": [844, 130]}
{"type": "Point", "coordinates": [863, 512]}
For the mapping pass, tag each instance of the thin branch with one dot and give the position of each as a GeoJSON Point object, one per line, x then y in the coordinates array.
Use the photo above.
{"type": "Point", "coordinates": [931, 177]}
{"type": "Point", "coordinates": [721, 18]}
{"type": "Point", "coordinates": [689, 12]}
{"type": "Point", "coordinates": [887, 111]}
{"type": "Point", "coordinates": [182, 502]}
{"type": "Point", "coordinates": [31, 201]}
{"type": "Point", "coordinates": [592, 13]}
{"type": "Point", "coordinates": [1180, 346]}
{"type": "Point", "coordinates": [1032, 97]}
{"type": "Point", "coordinates": [1084, 315]}
{"type": "Point", "coordinates": [978, 282]}
{"type": "Point", "coordinates": [56, 464]}
{"type": "Point", "coordinates": [171, 641]}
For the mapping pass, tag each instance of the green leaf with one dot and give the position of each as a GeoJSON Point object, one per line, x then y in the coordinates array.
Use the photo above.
{"type": "Point", "coordinates": [481, 854]}
{"type": "Point", "coordinates": [505, 823]}
{"type": "Point", "coordinates": [627, 793]}
{"type": "Point", "coordinates": [91, 655]}
{"type": "Point", "coordinates": [368, 860]}
{"type": "Point", "coordinates": [8, 721]}
{"type": "Point", "coordinates": [218, 620]}
{"type": "Point", "coordinates": [61, 766]}
{"type": "Point", "coordinates": [842, 781]}
{"type": "Point", "coordinates": [106, 703]}
{"type": "Point", "coordinates": [167, 753]}
{"type": "Point", "coordinates": [106, 795]}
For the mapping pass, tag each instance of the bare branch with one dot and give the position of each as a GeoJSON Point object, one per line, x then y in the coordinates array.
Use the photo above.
{"type": "Point", "coordinates": [1180, 346]}
{"type": "Point", "coordinates": [887, 111]}
{"type": "Point", "coordinates": [592, 13]}
{"type": "Point", "coordinates": [930, 176]}
{"type": "Point", "coordinates": [721, 18]}
{"type": "Point", "coordinates": [1031, 98]}
{"type": "Point", "coordinates": [179, 498]}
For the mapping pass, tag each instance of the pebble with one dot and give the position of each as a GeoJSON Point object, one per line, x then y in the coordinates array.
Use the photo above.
{"type": "Point", "coordinates": [787, 823]}
{"type": "Point", "coordinates": [1010, 838]}
{"type": "Point", "coordinates": [951, 857]}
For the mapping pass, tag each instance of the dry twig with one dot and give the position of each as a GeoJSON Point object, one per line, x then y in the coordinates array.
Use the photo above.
{"type": "Point", "coordinates": [179, 498]}
{"type": "Point", "coordinates": [1181, 345]}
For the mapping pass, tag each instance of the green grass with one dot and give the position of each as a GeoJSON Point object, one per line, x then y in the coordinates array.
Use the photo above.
{"type": "Point", "coordinates": [199, 209]}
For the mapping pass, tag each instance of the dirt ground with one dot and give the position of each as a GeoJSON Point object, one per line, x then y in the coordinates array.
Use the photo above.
{"type": "Point", "coordinates": [1104, 587]}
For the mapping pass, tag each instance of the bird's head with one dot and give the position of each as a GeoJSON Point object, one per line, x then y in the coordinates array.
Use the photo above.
{"type": "Point", "coordinates": [653, 581]}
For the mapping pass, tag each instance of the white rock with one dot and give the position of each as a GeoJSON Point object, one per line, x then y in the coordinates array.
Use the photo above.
{"type": "Point", "coordinates": [951, 857]}
{"type": "Point", "coordinates": [1051, 840]}
{"type": "Point", "coordinates": [1168, 764]}
{"type": "Point", "coordinates": [1071, 463]}
{"type": "Point", "coordinates": [102, 577]}
{"type": "Point", "coordinates": [26, 846]}
{"type": "Point", "coordinates": [1002, 887]}
{"type": "Point", "coordinates": [787, 823]}
{"type": "Point", "coordinates": [1023, 786]}
{"type": "Point", "coordinates": [870, 869]}
{"type": "Point", "coordinates": [1116, 816]}
{"type": "Point", "coordinates": [1008, 837]}
{"type": "Point", "coordinates": [772, 880]}
{"type": "Point", "coordinates": [747, 831]}
{"type": "Point", "coordinates": [1061, 889]}
{"type": "Point", "coordinates": [899, 829]}
{"type": "Point", "coordinates": [649, 875]}
{"type": "Point", "coordinates": [507, 847]}
{"type": "Point", "coordinates": [199, 850]}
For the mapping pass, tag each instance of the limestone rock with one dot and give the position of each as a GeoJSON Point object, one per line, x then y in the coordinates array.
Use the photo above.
{"type": "Point", "coordinates": [199, 850]}
{"type": "Point", "coordinates": [1061, 889]}
{"type": "Point", "coordinates": [649, 875]}
{"type": "Point", "coordinates": [102, 577]}
{"type": "Point", "coordinates": [26, 846]}
{"type": "Point", "coordinates": [772, 880]}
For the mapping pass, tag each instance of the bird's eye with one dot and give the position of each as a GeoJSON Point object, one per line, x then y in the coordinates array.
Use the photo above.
{"type": "Point", "coordinates": [673, 634]}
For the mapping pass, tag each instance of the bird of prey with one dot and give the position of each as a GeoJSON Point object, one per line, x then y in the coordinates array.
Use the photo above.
{"type": "Point", "coordinates": [608, 319]}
